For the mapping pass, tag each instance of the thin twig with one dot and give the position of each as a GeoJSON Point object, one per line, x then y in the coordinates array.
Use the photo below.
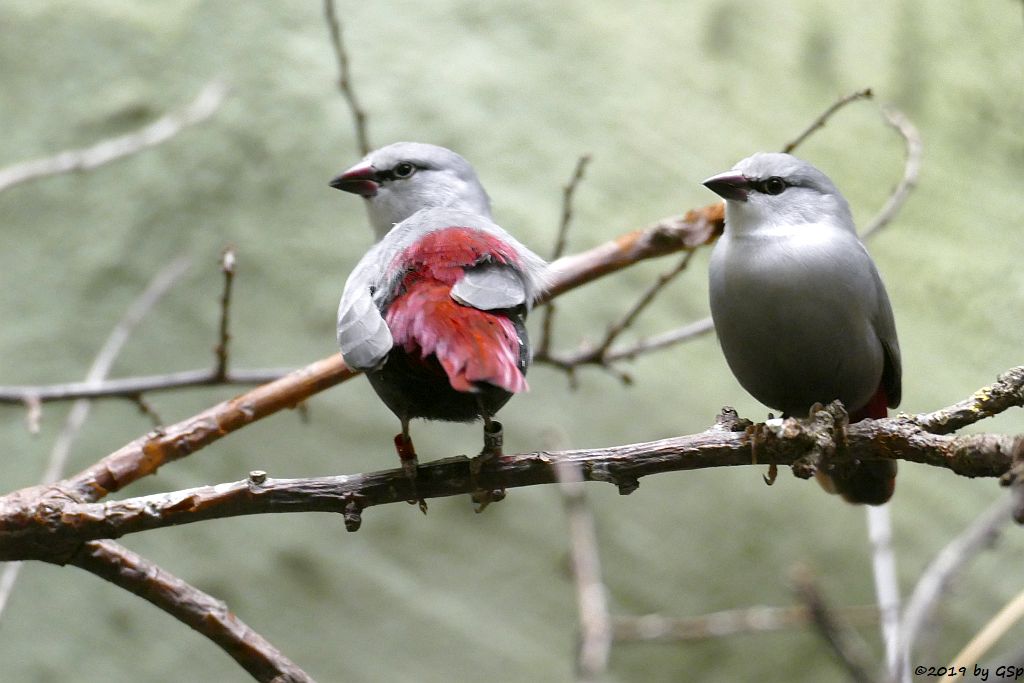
{"type": "Point", "coordinates": [130, 387]}
{"type": "Point", "coordinates": [204, 613]}
{"type": "Point", "coordinates": [158, 287]}
{"type": "Point", "coordinates": [209, 100]}
{"type": "Point", "coordinates": [935, 580]}
{"type": "Point", "coordinates": [591, 599]}
{"type": "Point", "coordinates": [845, 642]}
{"type": "Point", "coordinates": [147, 409]}
{"type": "Point", "coordinates": [911, 170]}
{"type": "Point", "coordinates": [345, 77]}
{"type": "Point", "coordinates": [645, 299]}
{"type": "Point", "coordinates": [685, 333]}
{"type": "Point", "coordinates": [568, 192]}
{"type": "Point", "coordinates": [227, 266]}
{"type": "Point", "coordinates": [655, 627]}
{"type": "Point", "coordinates": [826, 115]}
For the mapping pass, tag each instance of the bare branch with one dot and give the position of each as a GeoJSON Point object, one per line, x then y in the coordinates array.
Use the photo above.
{"type": "Point", "coordinates": [1011, 613]}
{"type": "Point", "coordinates": [679, 335]}
{"type": "Point", "coordinates": [655, 627]}
{"type": "Point", "coordinates": [668, 236]}
{"type": "Point", "coordinates": [130, 387]}
{"type": "Point", "coordinates": [591, 598]}
{"type": "Point", "coordinates": [911, 170]}
{"type": "Point", "coordinates": [887, 588]}
{"type": "Point", "coordinates": [568, 192]}
{"type": "Point", "coordinates": [599, 355]}
{"type": "Point", "coordinates": [1007, 392]}
{"type": "Point", "coordinates": [845, 642]}
{"type": "Point", "coordinates": [823, 118]}
{"type": "Point", "coordinates": [345, 77]}
{"type": "Point", "coordinates": [33, 414]}
{"type": "Point", "coordinates": [147, 409]}
{"type": "Point", "coordinates": [227, 266]}
{"type": "Point", "coordinates": [148, 453]}
{"type": "Point", "coordinates": [50, 522]}
{"type": "Point", "coordinates": [209, 100]}
{"type": "Point", "coordinates": [158, 287]}
{"type": "Point", "coordinates": [207, 615]}
{"type": "Point", "coordinates": [645, 299]}
{"type": "Point", "coordinates": [937, 577]}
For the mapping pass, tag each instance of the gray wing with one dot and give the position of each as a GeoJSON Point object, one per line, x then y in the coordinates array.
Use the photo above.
{"type": "Point", "coordinates": [885, 328]}
{"type": "Point", "coordinates": [363, 334]}
{"type": "Point", "coordinates": [490, 286]}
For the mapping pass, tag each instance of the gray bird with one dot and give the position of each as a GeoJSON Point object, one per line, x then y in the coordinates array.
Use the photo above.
{"type": "Point", "coordinates": [799, 308]}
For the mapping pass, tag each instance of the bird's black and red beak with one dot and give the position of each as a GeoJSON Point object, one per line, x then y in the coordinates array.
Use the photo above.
{"type": "Point", "coordinates": [729, 185]}
{"type": "Point", "coordinates": [361, 180]}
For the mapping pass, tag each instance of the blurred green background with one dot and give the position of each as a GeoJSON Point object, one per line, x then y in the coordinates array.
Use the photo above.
{"type": "Point", "coordinates": [663, 94]}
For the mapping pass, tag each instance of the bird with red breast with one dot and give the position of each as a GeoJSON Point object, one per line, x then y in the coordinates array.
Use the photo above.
{"type": "Point", "coordinates": [434, 313]}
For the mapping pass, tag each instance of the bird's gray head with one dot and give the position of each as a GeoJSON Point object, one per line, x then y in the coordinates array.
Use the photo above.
{"type": "Point", "coordinates": [771, 188]}
{"type": "Point", "coordinates": [398, 180]}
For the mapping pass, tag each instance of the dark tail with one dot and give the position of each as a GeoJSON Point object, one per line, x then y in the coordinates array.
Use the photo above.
{"type": "Point", "coordinates": [869, 483]}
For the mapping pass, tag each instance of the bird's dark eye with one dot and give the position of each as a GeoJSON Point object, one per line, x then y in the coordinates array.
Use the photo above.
{"type": "Point", "coordinates": [403, 170]}
{"type": "Point", "coordinates": [774, 185]}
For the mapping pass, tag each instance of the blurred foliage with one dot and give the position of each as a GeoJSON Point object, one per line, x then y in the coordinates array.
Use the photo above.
{"type": "Point", "coordinates": [662, 94]}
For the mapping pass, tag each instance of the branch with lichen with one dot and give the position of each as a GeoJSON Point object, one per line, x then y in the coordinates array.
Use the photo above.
{"type": "Point", "coordinates": [50, 523]}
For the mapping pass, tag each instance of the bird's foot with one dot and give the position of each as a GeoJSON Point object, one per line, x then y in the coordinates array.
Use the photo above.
{"type": "Point", "coordinates": [493, 442]}
{"type": "Point", "coordinates": [410, 467]}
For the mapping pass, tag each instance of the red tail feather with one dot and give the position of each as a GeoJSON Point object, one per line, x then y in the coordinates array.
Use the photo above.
{"type": "Point", "coordinates": [876, 408]}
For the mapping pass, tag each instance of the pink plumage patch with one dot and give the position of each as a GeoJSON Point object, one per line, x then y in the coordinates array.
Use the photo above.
{"type": "Point", "coordinates": [471, 345]}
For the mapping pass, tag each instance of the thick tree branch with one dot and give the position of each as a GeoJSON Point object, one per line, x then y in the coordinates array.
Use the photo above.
{"type": "Point", "coordinates": [161, 283]}
{"type": "Point", "coordinates": [44, 523]}
{"type": "Point", "coordinates": [668, 236]}
{"type": "Point", "coordinates": [204, 613]}
{"type": "Point", "coordinates": [147, 454]}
